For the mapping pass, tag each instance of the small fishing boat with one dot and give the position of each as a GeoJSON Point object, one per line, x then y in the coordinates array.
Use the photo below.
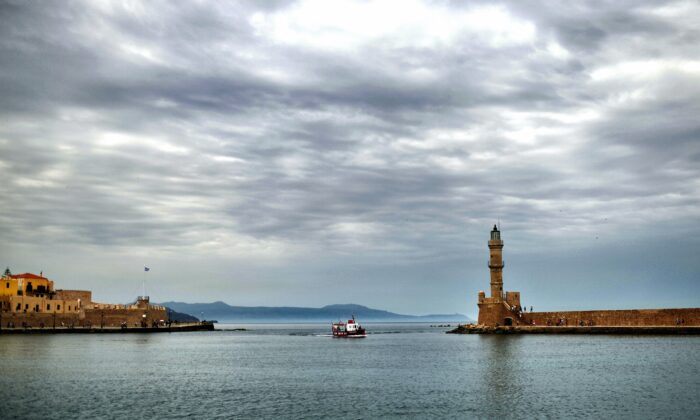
{"type": "Point", "coordinates": [350, 329]}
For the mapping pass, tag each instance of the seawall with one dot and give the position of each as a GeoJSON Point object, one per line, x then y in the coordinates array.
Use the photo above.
{"type": "Point", "coordinates": [618, 330]}
{"type": "Point", "coordinates": [684, 317]}
{"type": "Point", "coordinates": [101, 317]}
{"type": "Point", "coordinates": [184, 327]}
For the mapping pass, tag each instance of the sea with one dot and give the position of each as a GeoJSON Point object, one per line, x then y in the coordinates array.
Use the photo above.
{"type": "Point", "coordinates": [298, 371]}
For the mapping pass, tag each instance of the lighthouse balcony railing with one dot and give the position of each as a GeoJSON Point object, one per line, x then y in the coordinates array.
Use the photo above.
{"type": "Point", "coordinates": [501, 265]}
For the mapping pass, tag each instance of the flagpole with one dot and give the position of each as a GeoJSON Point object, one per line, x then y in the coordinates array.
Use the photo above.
{"type": "Point", "coordinates": [144, 282]}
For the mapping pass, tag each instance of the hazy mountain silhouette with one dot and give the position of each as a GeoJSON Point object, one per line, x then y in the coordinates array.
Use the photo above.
{"type": "Point", "coordinates": [223, 312]}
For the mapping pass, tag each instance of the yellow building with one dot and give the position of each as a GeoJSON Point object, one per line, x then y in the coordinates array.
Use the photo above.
{"type": "Point", "coordinates": [25, 293]}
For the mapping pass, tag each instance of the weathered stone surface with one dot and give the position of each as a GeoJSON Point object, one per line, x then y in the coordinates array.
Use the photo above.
{"type": "Point", "coordinates": [631, 317]}
{"type": "Point", "coordinates": [183, 327]}
{"type": "Point", "coordinates": [631, 330]}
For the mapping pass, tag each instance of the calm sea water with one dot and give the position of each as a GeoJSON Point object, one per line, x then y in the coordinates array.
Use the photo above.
{"type": "Point", "coordinates": [400, 370]}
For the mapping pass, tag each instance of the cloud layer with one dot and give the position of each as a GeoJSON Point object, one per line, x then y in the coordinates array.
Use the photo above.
{"type": "Point", "coordinates": [273, 153]}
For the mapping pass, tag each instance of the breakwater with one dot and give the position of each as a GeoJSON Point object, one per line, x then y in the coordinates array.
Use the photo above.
{"type": "Point", "coordinates": [608, 329]}
{"type": "Point", "coordinates": [184, 327]}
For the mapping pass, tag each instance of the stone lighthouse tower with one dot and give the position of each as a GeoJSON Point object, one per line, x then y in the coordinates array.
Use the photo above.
{"type": "Point", "coordinates": [499, 308]}
{"type": "Point", "coordinates": [496, 263]}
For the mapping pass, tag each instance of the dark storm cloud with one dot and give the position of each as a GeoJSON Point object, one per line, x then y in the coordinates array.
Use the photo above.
{"type": "Point", "coordinates": [263, 131]}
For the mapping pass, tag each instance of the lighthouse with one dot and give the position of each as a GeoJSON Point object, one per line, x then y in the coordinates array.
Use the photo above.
{"type": "Point", "coordinates": [496, 263]}
{"type": "Point", "coordinates": [500, 307]}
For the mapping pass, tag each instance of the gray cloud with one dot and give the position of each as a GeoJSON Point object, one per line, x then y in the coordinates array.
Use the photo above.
{"type": "Point", "coordinates": [289, 151]}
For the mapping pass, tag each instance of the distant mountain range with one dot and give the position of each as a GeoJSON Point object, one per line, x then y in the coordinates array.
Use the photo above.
{"type": "Point", "coordinates": [223, 312]}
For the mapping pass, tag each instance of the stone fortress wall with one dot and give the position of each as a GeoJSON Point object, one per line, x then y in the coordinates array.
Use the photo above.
{"type": "Point", "coordinates": [81, 295]}
{"type": "Point", "coordinates": [39, 320]}
{"type": "Point", "coordinates": [132, 317]}
{"type": "Point", "coordinates": [29, 300]}
{"type": "Point", "coordinates": [85, 318]}
{"type": "Point", "coordinates": [624, 318]}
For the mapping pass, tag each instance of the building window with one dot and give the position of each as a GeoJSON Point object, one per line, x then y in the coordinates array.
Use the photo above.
{"type": "Point", "coordinates": [58, 307]}
{"type": "Point", "coordinates": [8, 285]}
{"type": "Point", "coordinates": [48, 306]}
{"type": "Point", "coordinates": [19, 306]}
{"type": "Point", "coordinates": [69, 307]}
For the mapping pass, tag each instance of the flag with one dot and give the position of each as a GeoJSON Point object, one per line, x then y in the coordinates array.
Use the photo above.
{"type": "Point", "coordinates": [146, 268]}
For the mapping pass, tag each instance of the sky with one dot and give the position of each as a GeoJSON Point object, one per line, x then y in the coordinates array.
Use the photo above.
{"type": "Point", "coordinates": [310, 153]}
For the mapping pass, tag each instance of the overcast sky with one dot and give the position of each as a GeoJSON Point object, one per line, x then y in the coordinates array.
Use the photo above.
{"type": "Point", "coordinates": [315, 152]}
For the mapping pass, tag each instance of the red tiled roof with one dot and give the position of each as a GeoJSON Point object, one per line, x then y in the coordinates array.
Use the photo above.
{"type": "Point", "coordinates": [27, 276]}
